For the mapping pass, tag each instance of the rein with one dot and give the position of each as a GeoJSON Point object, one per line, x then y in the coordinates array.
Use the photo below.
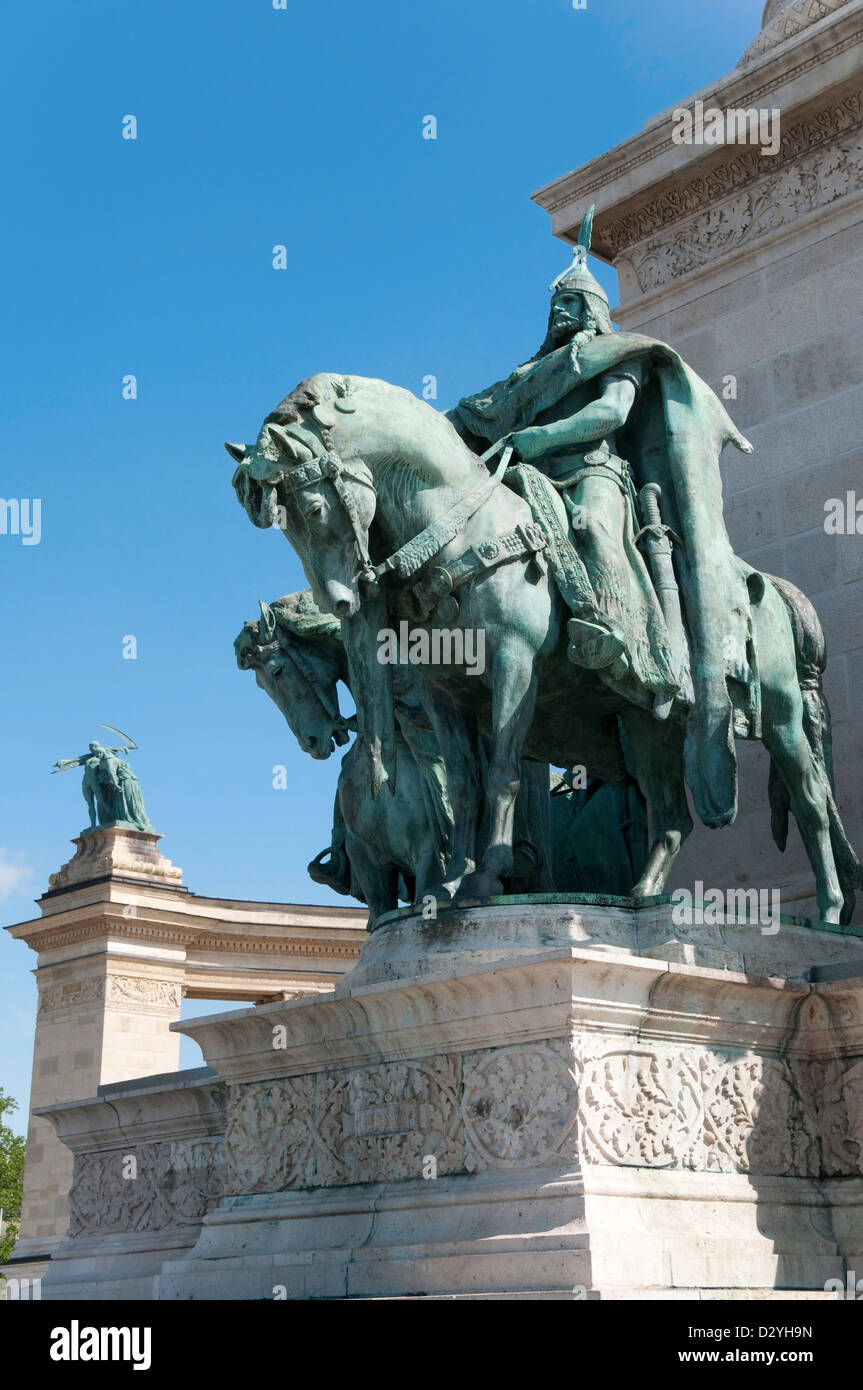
{"type": "Point", "coordinates": [411, 557]}
{"type": "Point", "coordinates": [301, 663]}
{"type": "Point", "coordinates": [330, 468]}
{"type": "Point", "coordinates": [415, 553]}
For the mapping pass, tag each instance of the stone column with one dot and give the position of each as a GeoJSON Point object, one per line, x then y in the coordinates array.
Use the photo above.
{"type": "Point", "coordinates": [120, 941]}
{"type": "Point", "coordinates": [750, 264]}
{"type": "Point", "coordinates": [105, 1008]}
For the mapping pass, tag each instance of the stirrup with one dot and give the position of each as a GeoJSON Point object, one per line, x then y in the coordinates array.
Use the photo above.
{"type": "Point", "coordinates": [595, 646]}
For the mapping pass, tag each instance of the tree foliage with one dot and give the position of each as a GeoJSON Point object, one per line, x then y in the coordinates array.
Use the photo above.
{"type": "Point", "coordinates": [12, 1148]}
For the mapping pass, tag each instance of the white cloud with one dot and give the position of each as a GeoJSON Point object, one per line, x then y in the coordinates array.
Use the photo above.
{"type": "Point", "coordinates": [15, 873]}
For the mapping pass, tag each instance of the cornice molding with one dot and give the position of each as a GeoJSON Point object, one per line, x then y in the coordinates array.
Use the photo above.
{"type": "Point", "coordinates": [655, 140]}
{"type": "Point", "coordinates": [239, 943]}
{"type": "Point", "coordinates": [817, 128]}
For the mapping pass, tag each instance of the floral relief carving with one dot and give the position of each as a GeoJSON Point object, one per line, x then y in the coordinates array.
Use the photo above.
{"type": "Point", "coordinates": [399, 1113]}
{"type": "Point", "coordinates": [74, 992]}
{"type": "Point", "coordinates": [520, 1107]}
{"type": "Point", "coordinates": [743, 196]}
{"type": "Point", "coordinates": [129, 992]}
{"type": "Point", "coordinates": [708, 1112]}
{"type": "Point", "coordinates": [505, 1108]}
{"type": "Point", "coordinates": [370, 1125]}
{"type": "Point", "coordinates": [286, 1133]}
{"type": "Point", "coordinates": [753, 1120]}
{"type": "Point", "coordinates": [746, 166]}
{"type": "Point", "coordinates": [530, 1104]}
{"type": "Point", "coordinates": [815, 182]}
{"type": "Point", "coordinates": [840, 1118]}
{"type": "Point", "coordinates": [175, 1183]}
{"type": "Point", "coordinates": [641, 1108]}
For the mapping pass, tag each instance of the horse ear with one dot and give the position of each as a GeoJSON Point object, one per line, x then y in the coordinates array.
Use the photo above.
{"type": "Point", "coordinates": [237, 451]}
{"type": "Point", "coordinates": [267, 629]}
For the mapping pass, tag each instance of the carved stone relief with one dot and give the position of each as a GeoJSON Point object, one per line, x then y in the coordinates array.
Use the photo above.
{"type": "Point", "coordinates": [503, 1108]}
{"type": "Point", "coordinates": [75, 992]}
{"type": "Point", "coordinates": [364, 1126]}
{"type": "Point", "coordinates": [520, 1106]}
{"type": "Point", "coordinates": [535, 1104]}
{"type": "Point", "coordinates": [146, 1187]}
{"type": "Point", "coordinates": [782, 20]}
{"type": "Point", "coordinates": [743, 197]}
{"type": "Point", "coordinates": [640, 1108]}
{"type": "Point", "coordinates": [133, 993]}
{"type": "Point", "coordinates": [708, 1112]}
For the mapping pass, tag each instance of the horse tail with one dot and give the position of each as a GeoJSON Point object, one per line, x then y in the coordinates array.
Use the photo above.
{"type": "Point", "coordinates": [810, 652]}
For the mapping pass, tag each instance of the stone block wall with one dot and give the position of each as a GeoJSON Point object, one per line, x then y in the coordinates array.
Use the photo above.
{"type": "Point", "coordinates": [751, 266]}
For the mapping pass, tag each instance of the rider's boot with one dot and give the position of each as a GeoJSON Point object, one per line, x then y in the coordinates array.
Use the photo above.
{"type": "Point", "coordinates": [598, 646]}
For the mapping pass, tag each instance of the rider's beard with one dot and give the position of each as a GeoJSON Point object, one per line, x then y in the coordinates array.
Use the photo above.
{"type": "Point", "coordinates": [564, 330]}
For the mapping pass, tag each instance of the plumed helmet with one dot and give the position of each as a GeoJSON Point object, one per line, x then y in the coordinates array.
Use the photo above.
{"type": "Point", "coordinates": [577, 276]}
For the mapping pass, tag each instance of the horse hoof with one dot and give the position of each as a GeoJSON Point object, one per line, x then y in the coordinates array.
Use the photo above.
{"type": "Point", "coordinates": [443, 893]}
{"type": "Point", "coordinates": [479, 885]}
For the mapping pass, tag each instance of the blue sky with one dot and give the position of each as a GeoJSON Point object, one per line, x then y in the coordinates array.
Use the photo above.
{"type": "Point", "coordinates": [154, 257]}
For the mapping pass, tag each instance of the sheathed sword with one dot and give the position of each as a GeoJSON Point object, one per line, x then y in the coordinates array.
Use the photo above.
{"type": "Point", "coordinates": [657, 542]}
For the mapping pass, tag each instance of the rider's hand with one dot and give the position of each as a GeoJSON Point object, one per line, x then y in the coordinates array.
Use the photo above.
{"type": "Point", "coordinates": [530, 443]}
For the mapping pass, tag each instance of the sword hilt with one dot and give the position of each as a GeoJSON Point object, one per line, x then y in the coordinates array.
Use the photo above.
{"type": "Point", "coordinates": [649, 498]}
{"type": "Point", "coordinates": [660, 535]}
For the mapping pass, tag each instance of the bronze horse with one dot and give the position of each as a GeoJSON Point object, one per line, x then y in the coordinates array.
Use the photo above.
{"type": "Point", "coordinates": [352, 468]}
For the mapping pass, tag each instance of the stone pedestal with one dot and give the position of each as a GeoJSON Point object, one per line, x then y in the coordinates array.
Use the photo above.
{"type": "Point", "coordinates": [149, 1163]}
{"type": "Point", "coordinates": [104, 1012]}
{"type": "Point", "coordinates": [547, 1099]}
{"type": "Point", "coordinates": [120, 942]}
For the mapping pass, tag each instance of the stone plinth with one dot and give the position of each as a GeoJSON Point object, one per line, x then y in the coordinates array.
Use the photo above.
{"type": "Point", "coordinates": [403, 948]}
{"type": "Point", "coordinates": [750, 264]}
{"type": "Point", "coordinates": [578, 1113]}
{"type": "Point", "coordinates": [120, 942]}
{"type": "Point", "coordinates": [149, 1161]}
{"type": "Point", "coordinates": [119, 853]}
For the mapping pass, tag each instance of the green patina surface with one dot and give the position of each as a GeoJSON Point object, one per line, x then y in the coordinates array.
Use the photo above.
{"type": "Point", "coordinates": [109, 787]}
{"type": "Point", "coordinates": [572, 514]}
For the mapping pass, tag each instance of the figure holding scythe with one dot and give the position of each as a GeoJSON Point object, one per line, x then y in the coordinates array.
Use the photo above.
{"type": "Point", "coordinates": [110, 787]}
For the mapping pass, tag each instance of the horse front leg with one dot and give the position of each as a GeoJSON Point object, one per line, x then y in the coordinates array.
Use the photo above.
{"type": "Point", "coordinates": [658, 750]}
{"type": "Point", "coordinates": [513, 700]}
{"type": "Point", "coordinates": [459, 752]}
{"type": "Point", "coordinates": [378, 883]}
{"type": "Point", "coordinates": [533, 822]}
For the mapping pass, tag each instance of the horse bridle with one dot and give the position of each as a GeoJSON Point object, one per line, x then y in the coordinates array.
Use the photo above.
{"type": "Point", "coordinates": [415, 553]}
{"type": "Point", "coordinates": [303, 665]}
{"type": "Point", "coordinates": [330, 468]}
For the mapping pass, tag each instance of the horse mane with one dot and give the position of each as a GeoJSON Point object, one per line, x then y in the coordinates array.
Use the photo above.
{"type": "Point", "coordinates": [301, 616]}
{"type": "Point", "coordinates": [329, 388]}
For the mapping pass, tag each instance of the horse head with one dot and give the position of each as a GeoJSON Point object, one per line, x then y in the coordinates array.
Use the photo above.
{"type": "Point", "coordinates": [292, 477]}
{"type": "Point", "coordinates": [299, 670]}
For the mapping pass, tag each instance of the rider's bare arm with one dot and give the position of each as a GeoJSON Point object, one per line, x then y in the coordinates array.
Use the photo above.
{"type": "Point", "coordinates": [595, 421]}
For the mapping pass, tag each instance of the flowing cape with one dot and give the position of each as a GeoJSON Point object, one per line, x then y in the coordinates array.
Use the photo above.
{"type": "Point", "coordinates": [674, 436]}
